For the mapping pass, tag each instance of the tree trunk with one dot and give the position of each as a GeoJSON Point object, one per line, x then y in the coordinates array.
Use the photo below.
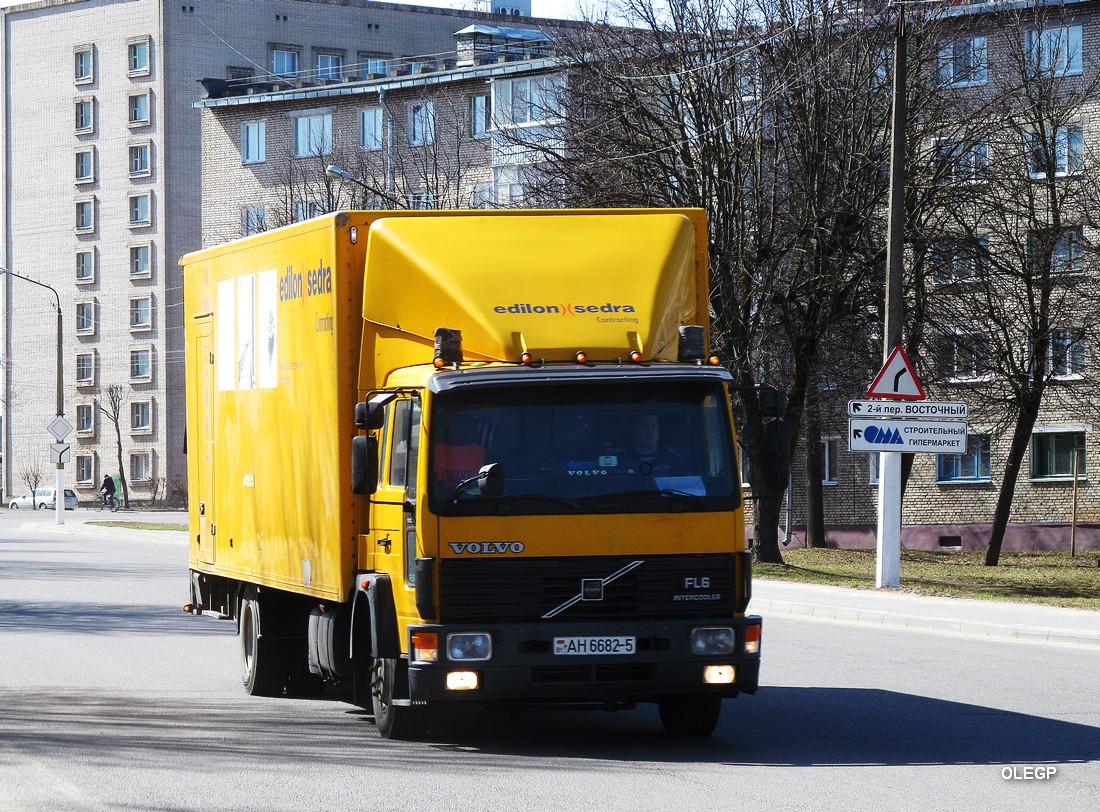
{"type": "Point", "coordinates": [121, 469]}
{"type": "Point", "coordinates": [1021, 439]}
{"type": "Point", "coordinates": [766, 527]}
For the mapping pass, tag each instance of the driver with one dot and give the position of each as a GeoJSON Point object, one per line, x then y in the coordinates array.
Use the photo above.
{"type": "Point", "coordinates": [647, 454]}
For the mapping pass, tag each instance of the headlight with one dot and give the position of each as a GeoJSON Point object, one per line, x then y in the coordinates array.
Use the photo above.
{"type": "Point", "coordinates": [469, 646]}
{"type": "Point", "coordinates": [712, 640]}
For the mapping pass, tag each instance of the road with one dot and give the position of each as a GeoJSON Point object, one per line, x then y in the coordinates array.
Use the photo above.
{"type": "Point", "coordinates": [111, 698]}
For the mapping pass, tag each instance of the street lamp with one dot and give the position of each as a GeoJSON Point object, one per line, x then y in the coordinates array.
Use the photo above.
{"type": "Point", "coordinates": [59, 480]}
{"type": "Point", "coordinates": [334, 171]}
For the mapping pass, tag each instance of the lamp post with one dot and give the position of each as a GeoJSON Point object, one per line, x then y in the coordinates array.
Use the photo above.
{"type": "Point", "coordinates": [59, 478]}
{"type": "Point", "coordinates": [334, 171]}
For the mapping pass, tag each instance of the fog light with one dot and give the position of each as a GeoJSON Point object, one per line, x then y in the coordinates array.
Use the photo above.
{"type": "Point", "coordinates": [719, 674]}
{"type": "Point", "coordinates": [425, 646]}
{"type": "Point", "coordinates": [752, 638]}
{"type": "Point", "coordinates": [469, 646]}
{"type": "Point", "coordinates": [461, 680]}
{"type": "Point", "coordinates": [712, 640]}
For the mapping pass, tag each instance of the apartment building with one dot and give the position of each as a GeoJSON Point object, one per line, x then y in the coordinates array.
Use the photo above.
{"type": "Point", "coordinates": [102, 194]}
{"type": "Point", "coordinates": [1026, 175]}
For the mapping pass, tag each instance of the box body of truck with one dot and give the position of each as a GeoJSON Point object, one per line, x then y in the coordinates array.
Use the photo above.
{"type": "Point", "coordinates": [469, 457]}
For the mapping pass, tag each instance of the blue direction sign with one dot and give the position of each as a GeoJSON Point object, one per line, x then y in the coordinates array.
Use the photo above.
{"type": "Point", "coordinates": [938, 409]}
{"type": "Point", "coordinates": [928, 436]}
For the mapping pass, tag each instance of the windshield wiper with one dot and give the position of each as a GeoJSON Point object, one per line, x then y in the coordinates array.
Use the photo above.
{"type": "Point", "coordinates": [539, 497]}
{"type": "Point", "coordinates": [672, 493]}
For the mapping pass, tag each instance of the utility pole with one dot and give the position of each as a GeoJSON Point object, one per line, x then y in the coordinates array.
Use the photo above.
{"type": "Point", "coordinates": [888, 558]}
{"type": "Point", "coordinates": [59, 425]}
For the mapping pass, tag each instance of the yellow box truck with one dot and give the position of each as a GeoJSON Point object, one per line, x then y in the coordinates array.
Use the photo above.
{"type": "Point", "coordinates": [477, 457]}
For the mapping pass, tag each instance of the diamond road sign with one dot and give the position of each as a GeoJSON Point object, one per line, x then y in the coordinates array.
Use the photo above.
{"type": "Point", "coordinates": [929, 436]}
{"type": "Point", "coordinates": [60, 428]}
{"type": "Point", "coordinates": [917, 408]}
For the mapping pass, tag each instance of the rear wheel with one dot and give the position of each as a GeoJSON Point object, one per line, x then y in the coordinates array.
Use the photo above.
{"type": "Point", "coordinates": [42, 506]}
{"type": "Point", "coordinates": [690, 714]}
{"type": "Point", "coordinates": [265, 661]}
{"type": "Point", "coordinates": [393, 721]}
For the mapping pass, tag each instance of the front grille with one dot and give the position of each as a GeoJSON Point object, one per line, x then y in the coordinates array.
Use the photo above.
{"type": "Point", "coordinates": [523, 590]}
{"type": "Point", "coordinates": [592, 673]}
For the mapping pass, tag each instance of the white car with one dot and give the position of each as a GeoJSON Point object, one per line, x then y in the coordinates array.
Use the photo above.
{"type": "Point", "coordinates": [43, 498]}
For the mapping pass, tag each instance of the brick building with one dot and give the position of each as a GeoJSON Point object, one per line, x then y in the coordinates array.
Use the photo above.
{"type": "Point", "coordinates": [101, 190]}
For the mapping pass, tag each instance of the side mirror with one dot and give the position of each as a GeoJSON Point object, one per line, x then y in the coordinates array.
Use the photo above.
{"type": "Point", "coordinates": [364, 465]}
{"type": "Point", "coordinates": [370, 415]}
{"type": "Point", "coordinates": [490, 480]}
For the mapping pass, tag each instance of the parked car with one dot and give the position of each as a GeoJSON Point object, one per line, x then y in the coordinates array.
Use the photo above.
{"type": "Point", "coordinates": [43, 498]}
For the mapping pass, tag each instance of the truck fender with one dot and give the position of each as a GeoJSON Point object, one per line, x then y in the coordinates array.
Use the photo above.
{"type": "Point", "coordinates": [377, 592]}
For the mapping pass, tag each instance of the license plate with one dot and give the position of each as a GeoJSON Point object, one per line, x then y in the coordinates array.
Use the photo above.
{"type": "Point", "coordinates": [604, 644]}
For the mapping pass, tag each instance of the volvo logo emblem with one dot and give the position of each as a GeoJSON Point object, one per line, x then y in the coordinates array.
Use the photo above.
{"type": "Point", "coordinates": [592, 589]}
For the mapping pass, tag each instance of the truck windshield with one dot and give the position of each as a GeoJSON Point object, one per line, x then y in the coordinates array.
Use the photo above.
{"type": "Point", "coordinates": [621, 447]}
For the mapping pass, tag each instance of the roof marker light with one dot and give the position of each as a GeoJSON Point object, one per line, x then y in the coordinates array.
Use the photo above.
{"type": "Point", "coordinates": [581, 356]}
{"type": "Point", "coordinates": [525, 358]}
{"type": "Point", "coordinates": [635, 356]}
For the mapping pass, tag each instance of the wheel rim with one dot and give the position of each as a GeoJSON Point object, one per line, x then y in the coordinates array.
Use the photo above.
{"type": "Point", "coordinates": [248, 640]}
{"type": "Point", "coordinates": [380, 685]}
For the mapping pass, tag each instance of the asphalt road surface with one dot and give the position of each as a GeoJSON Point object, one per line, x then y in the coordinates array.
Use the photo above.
{"type": "Point", "coordinates": [112, 698]}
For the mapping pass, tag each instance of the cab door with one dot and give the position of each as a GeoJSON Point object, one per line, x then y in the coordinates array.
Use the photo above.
{"type": "Point", "coordinates": [394, 503]}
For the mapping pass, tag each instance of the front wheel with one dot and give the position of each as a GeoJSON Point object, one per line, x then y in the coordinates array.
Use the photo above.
{"type": "Point", "coordinates": [13, 506]}
{"type": "Point", "coordinates": [690, 714]}
{"type": "Point", "coordinates": [393, 721]}
{"type": "Point", "coordinates": [42, 506]}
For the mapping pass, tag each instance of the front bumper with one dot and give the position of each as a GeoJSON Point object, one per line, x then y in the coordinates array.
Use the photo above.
{"type": "Point", "coordinates": [524, 668]}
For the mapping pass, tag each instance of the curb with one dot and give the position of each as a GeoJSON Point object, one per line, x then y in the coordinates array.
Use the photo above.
{"type": "Point", "coordinates": [113, 533]}
{"type": "Point", "coordinates": [966, 628]}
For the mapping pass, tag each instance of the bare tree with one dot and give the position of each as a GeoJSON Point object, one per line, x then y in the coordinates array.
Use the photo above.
{"type": "Point", "coordinates": [110, 404]}
{"type": "Point", "coordinates": [32, 472]}
{"type": "Point", "coordinates": [773, 117]}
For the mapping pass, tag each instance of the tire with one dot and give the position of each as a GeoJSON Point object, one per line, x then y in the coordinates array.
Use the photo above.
{"type": "Point", "coordinates": [13, 506]}
{"type": "Point", "coordinates": [690, 714]}
{"type": "Point", "coordinates": [265, 662]}
{"type": "Point", "coordinates": [42, 506]}
{"type": "Point", "coordinates": [393, 721]}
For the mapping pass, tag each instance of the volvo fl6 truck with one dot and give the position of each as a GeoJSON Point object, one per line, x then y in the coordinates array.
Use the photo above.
{"type": "Point", "coordinates": [469, 457]}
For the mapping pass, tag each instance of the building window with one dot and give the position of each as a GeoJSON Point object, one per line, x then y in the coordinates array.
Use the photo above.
{"type": "Point", "coordinates": [141, 416]}
{"type": "Point", "coordinates": [253, 142]}
{"type": "Point", "coordinates": [307, 209]}
{"type": "Point", "coordinates": [963, 357]}
{"type": "Point", "coordinates": [139, 160]}
{"type": "Point", "coordinates": [312, 135]}
{"type": "Point", "coordinates": [85, 216]}
{"type": "Point", "coordinates": [85, 318]}
{"type": "Point", "coordinates": [141, 264]}
{"type": "Point", "coordinates": [970, 466]}
{"type": "Point", "coordinates": [85, 266]}
{"type": "Point", "coordinates": [1054, 51]}
{"type": "Point", "coordinates": [85, 115]}
{"type": "Point", "coordinates": [141, 313]}
{"type": "Point", "coordinates": [1066, 354]}
{"type": "Point", "coordinates": [141, 209]}
{"type": "Point", "coordinates": [141, 466]}
{"type": "Point", "coordinates": [85, 166]}
{"type": "Point", "coordinates": [141, 364]}
{"type": "Point", "coordinates": [370, 128]}
{"type": "Point", "coordinates": [373, 67]}
{"type": "Point", "coordinates": [1062, 151]}
{"type": "Point", "coordinates": [84, 58]}
{"type": "Point", "coordinates": [507, 188]}
{"type": "Point", "coordinates": [253, 221]}
{"type": "Point", "coordinates": [85, 469]}
{"type": "Point", "coordinates": [138, 110]}
{"type": "Point", "coordinates": [330, 67]}
{"type": "Point", "coordinates": [1068, 256]}
{"type": "Point", "coordinates": [964, 62]}
{"type": "Point", "coordinates": [421, 124]}
{"type": "Point", "coordinates": [284, 62]}
{"type": "Point", "coordinates": [421, 200]}
{"type": "Point", "coordinates": [873, 461]}
{"type": "Point", "coordinates": [85, 368]}
{"type": "Point", "coordinates": [85, 419]}
{"type": "Point", "coordinates": [960, 260]}
{"type": "Point", "coordinates": [480, 120]}
{"type": "Point", "coordinates": [830, 447]}
{"type": "Point", "coordinates": [1053, 453]}
{"type": "Point", "coordinates": [962, 162]}
{"type": "Point", "coordinates": [526, 101]}
{"type": "Point", "coordinates": [137, 57]}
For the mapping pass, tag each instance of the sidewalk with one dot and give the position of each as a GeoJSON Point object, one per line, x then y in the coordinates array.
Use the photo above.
{"type": "Point", "coordinates": [1024, 622]}
{"type": "Point", "coordinates": [1021, 622]}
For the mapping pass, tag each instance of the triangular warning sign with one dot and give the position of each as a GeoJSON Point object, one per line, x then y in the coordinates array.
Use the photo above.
{"type": "Point", "coordinates": [897, 380]}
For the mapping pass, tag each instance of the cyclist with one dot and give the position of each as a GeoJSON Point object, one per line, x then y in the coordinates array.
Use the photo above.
{"type": "Point", "coordinates": [108, 490]}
